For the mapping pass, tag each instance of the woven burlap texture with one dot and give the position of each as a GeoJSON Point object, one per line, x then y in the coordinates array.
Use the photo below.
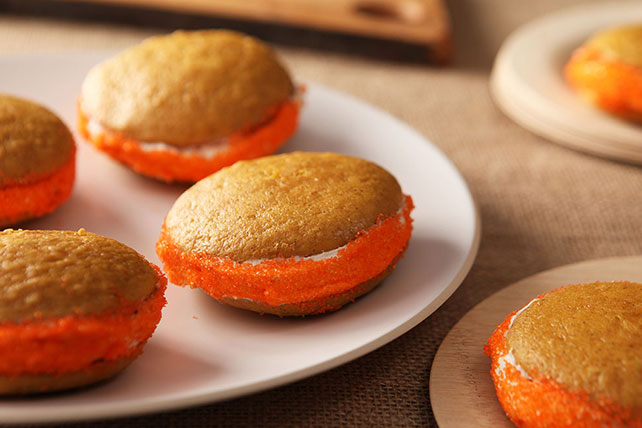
{"type": "Point", "coordinates": [541, 205]}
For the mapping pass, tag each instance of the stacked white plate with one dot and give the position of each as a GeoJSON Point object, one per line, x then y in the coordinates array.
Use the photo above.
{"type": "Point", "coordinates": [527, 82]}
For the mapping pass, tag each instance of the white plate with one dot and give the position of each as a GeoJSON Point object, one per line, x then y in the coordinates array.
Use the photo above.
{"type": "Point", "coordinates": [528, 83]}
{"type": "Point", "coordinates": [202, 351]}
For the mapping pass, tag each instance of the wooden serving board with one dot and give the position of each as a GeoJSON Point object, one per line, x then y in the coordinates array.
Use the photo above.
{"type": "Point", "coordinates": [423, 22]}
{"type": "Point", "coordinates": [461, 389]}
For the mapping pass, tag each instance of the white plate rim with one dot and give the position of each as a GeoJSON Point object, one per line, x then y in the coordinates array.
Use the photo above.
{"type": "Point", "coordinates": [91, 413]}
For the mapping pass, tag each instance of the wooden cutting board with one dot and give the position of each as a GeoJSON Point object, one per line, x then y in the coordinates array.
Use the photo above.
{"type": "Point", "coordinates": [423, 22]}
{"type": "Point", "coordinates": [461, 390]}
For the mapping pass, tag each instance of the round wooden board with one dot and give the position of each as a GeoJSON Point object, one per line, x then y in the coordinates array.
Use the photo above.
{"type": "Point", "coordinates": [461, 390]}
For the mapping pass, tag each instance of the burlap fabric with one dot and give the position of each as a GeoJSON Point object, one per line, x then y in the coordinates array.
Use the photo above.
{"type": "Point", "coordinates": [541, 205]}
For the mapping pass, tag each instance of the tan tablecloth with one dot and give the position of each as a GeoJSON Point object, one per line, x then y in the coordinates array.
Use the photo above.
{"type": "Point", "coordinates": [541, 205]}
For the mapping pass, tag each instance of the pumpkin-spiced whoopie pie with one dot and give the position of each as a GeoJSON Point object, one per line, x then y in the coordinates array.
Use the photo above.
{"type": "Point", "coordinates": [294, 234]}
{"type": "Point", "coordinates": [179, 107]}
{"type": "Point", "coordinates": [75, 308]}
{"type": "Point", "coordinates": [607, 71]}
{"type": "Point", "coordinates": [572, 358]}
{"type": "Point", "coordinates": [37, 161]}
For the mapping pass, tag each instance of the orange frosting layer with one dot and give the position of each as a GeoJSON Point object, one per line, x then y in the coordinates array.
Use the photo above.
{"type": "Point", "coordinates": [21, 201]}
{"type": "Point", "coordinates": [282, 281]}
{"type": "Point", "coordinates": [170, 165]}
{"type": "Point", "coordinates": [614, 86]}
{"type": "Point", "coordinates": [74, 342]}
{"type": "Point", "coordinates": [543, 403]}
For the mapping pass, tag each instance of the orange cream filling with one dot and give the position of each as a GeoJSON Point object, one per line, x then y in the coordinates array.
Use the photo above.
{"type": "Point", "coordinates": [293, 280]}
{"type": "Point", "coordinates": [613, 86]}
{"type": "Point", "coordinates": [542, 402]}
{"type": "Point", "coordinates": [21, 200]}
{"type": "Point", "coordinates": [172, 165]}
{"type": "Point", "coordinates": [74, 342]}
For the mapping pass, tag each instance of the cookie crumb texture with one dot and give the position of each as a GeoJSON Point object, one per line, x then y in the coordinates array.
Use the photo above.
{"type": "Point", "coordinates": [581, 348]}
{"type": "Point", "coordinates": [75, 308]}
{"type": "Point", "coordinates": [50, 274]}
{"type": "Point", "coordinates": [246, 234]}
{"type": "Point", "coordinates": [20, 202]}
{"type": "Point", "coordinates": [296, 286]}
{"type": "Point", "coordinates": [34, 142]}
{"type": "Point", "coordinates": [188, 87]}
{"type": "Point", "coordinates": [37, 161]}
{"type": "Point", "coordinates": [297, 204]}
{"type": "Point", "coordinates": [588, 337]}
{"type": "Point", "coordinates": [174, 165]}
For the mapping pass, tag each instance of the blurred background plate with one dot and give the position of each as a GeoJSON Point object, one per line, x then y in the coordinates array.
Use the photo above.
{"type": "Point", "coordinates": [527, 82]}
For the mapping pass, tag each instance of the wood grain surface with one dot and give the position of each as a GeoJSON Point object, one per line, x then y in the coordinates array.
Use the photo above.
{"type": "Point", "coordinates": [424, 22]}
{"type": "Point", "coordinates": [461, 389]}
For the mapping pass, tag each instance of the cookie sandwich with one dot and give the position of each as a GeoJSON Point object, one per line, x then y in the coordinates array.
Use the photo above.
{"type": "Point", "coordinates": [179, 107]}
{"type": "Point", "coordinates": [572, 358]}
{"type": "Point", "coordinates": [607, 71]}
{"type": "Point", "coordinates": [293, 234]}
{"type": "Point", "coordinates": [37, 161]}
{"type": "Point", "coordinates": [75, 308]}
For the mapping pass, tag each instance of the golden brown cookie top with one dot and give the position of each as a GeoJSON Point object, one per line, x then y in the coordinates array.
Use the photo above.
{"type": "Point", "coordinates": [186, 87]}
{"type": "Point", "coordinates": [588, 337]}
{"type": "Point", "coordinates": [296, 204]}
{"type": "Point", "coordinates": [48, 273]}
{"type": "Point", "coordinates": [33, 141]}
{"type": "Point", "coordinates": [620, 44]}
